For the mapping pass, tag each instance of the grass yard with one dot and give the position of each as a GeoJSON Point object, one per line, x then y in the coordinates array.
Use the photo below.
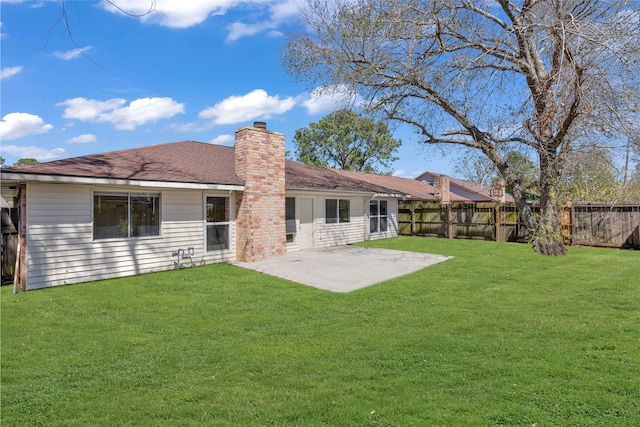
{"type": "Point", "coordinates": [496, 336]}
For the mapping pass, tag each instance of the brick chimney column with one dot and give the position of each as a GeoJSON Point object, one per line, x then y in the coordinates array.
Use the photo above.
{"type": "Point", "coordinates": [442, 185]}
{"type": "Point", "coordinates": [260, 223]}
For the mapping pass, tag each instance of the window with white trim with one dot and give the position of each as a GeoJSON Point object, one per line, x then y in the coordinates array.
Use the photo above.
{"type": "Point", "coordinates": [217, 223]}
{"type": "Point", "coordinates": [337, 210]}
{"type": "Point", "coordinates": [125, 215]}
{"type": "Point", "coordinates": [378, 216]}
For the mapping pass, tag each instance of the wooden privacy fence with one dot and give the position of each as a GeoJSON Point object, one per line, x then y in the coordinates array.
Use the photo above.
{"type": "Point", "coordinates": [582, 224]}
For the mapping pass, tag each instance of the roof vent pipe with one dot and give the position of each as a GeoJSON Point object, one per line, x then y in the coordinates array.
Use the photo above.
{"type": "Point", "coordinates": [260, 125]}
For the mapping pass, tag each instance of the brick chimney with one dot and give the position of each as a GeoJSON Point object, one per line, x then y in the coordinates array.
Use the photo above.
{"type": "Point", "coordinates": [442, 185]}
{"type": "Point", "coordinates": [260, 224]}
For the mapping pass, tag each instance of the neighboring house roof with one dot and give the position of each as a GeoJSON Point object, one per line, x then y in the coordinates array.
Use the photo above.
{"type": "Point", "coordinates": [186, 161]}
{"type": "Point", "coordinates": [464, 191]}
{"type": "Point", "coordinates": [408, 187]}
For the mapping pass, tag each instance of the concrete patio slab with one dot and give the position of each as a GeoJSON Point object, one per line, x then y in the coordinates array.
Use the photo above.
{"type": "Point", "coordinates": [343, 268]}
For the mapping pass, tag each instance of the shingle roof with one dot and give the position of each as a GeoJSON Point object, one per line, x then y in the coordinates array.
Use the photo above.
{"type": "Point", "coordinates": [186, 161]}
{"type": "Point", "coordinates": [190, 162]}
{"type": "Point", "coordinates": [414, 189]}
{"type": "Point", "coordinates": [202, 163]}
{"type": "Point", "coordinates": [299, 176]}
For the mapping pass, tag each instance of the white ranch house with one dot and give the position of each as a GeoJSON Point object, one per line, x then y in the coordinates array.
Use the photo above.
{"type": "Point", "coordinates": [159, 207]}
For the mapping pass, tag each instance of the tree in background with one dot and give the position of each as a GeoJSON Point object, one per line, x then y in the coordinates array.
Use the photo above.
{"type": "Point", "coordinates": [349, 141]}
{"type": "Point", "coordinates": [484, 74]}
{"type": "Point", "coordinates": [590, 176]}
{"type": "Point", "coordinates": [26, 161]}
{"type": "Point", "coordinates": [476, 167]}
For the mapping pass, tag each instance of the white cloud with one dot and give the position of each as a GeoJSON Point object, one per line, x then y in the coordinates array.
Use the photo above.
{"type": "Point", "coordinates": [73, 53]}
{"type": "Point", "coordinates": [223, 140]}
{"type": "Point", "coordinates": [18, 125]}
{"type": "Point", "coordinates": [173, 13]}
{"type": "Point", "coordinates": [238, 30]}
{"type": "Point", "coordinates": [283, 10]}
{"type": "Point", "coordinates": [237, 109]}
{"type": "Point", "coordinates": [89, 109]}
{"type": "Point", "coordinates": [280, 12]}
{"type": "Point", "coordinates": [139, 112]}
{"type": "Point", "coordinates": [10, 71]}
{"type": "Point", "coordinates": [82, 139]}
{"type": "Point", "coordinates": [32, 152]}
{"type": "Point", "coordinates": [183, 14]}
{"type": "Point", "coordinates": [325, 99]}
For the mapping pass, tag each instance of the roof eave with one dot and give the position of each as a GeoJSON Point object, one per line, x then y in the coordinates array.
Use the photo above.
{"type": "Point", "coordinates": [343, 191]}
{"type": "Point", "coordinates": [61, 179]}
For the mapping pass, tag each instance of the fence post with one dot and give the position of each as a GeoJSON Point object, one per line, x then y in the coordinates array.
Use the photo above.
{"type": "Point", "coordinates": [413, 219]}
{"type": "Point", "coordinates": [449, 221]}
{"type": "Point", "coordinates": [497, 222]}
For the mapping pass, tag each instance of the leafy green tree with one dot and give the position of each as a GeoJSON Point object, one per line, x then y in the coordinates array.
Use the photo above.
{"type": "Point", "coordinates": [590, 176]}
{"type": "Point", "coordinates": [538, 75]}
{"type": "Point", "coordinates": [349, 141]}
{"type": "Point", "coordinates": [2, 162]}
{"type": "Point", "coordinates": [527, 172]}
{"type": "Point", "coordinates": [26, 161]}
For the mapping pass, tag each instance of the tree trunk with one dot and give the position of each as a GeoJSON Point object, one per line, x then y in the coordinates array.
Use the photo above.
{"type": "Point", "coordinates": [545, 228]}
{"type": "Point", "coordinates": [547, 239]}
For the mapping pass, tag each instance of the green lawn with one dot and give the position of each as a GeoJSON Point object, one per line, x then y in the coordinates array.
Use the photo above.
{"type": "Point", "coordinates": [496, 336]}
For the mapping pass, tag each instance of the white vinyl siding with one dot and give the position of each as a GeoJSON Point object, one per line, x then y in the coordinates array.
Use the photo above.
{"type": "Point", "coordinates": [61, 249]}
{"type": "Point", "coordinates": [334, 234]}
{"type": "Point", "coordinates": [357, 230]}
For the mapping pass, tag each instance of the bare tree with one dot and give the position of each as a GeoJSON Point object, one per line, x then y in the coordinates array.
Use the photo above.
{"type": "Point", "coordinates": [483, 74]}
{"type": "Point", "coordinates": [473, 166]}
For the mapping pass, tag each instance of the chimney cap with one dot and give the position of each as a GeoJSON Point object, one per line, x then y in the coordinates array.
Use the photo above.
{"type": "Point", "coordinates": [260, 125]}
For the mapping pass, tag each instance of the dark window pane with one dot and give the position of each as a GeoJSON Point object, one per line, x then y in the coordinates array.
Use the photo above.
{"type": "Point", "coordinates": [110, 216]}
{"type": "Point", "coordinates": [145, 216]}
{"type": "Point", "coordinates": [290, 208]}
{"type": "Point", "coordinates": [331, 210]}
{"type": "Point", "coordinates": [373, 208]}
{"type": "Point", "coordinates": [383, 223]}
{"type": "Point", "coordinates": [217, 209]}
{"type": "Point", "coordinates": [345, 214]}
{"type": "Point", "coordinates": [383, 207]}
{"type": "Point", "coordinates": [373, 224]}
{"type": "Point", "coordinates": [217, 237]}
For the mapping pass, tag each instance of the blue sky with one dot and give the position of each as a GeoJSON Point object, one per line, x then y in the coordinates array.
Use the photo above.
{"type": "Point", "coordinates": [191, 70]}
